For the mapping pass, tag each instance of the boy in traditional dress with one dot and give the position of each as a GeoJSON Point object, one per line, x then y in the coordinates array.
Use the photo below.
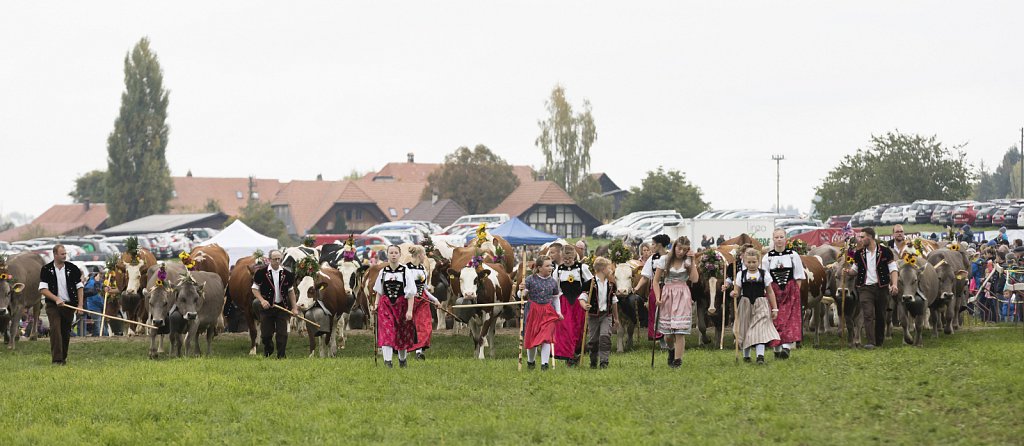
{"type": "Point", "coordinates": [602, 313]}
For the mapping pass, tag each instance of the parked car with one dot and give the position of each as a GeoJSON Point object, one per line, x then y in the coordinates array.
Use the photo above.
{"type": "Point", "coordinates": [617, 225]}
{"type": "Point", "coordinates": [877, 218]}
{"type": "Point", "coordinates": [893, 214]}
{"type": "Point", "coordinates": [966, 213]}
{"type": "Point", "coordinates": [1012, 219]}
{"type": "Point", "coordinates": [999, 216]}
{"type": "Point", "coordinates": [943, 214]}
{"type": "Point", "coordinates": [838, 221]}
{"type": "Point", "coordinates": [483, 218]}
{"type": "Point", "coordinates": [922, 211]}
{"type": "Point", "coordinates": [985, 211]}
{"type": "Point", "coordinates": [791, 222]}
{"type": "Point", "coordinates": [797, 230]}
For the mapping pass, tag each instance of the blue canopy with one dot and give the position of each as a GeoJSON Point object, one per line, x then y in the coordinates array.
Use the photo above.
{"type": "Point", "coordinates": [518, 233]}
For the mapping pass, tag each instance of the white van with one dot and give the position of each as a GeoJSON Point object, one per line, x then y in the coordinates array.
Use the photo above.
{"type": "Point", "coordinates": [483, 218]}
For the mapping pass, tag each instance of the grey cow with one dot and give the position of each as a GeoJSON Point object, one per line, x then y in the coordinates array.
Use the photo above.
{"type": "Point", "coordinates": [19, 289]}
{"type": "Point", "coordinates": [198, 305]}
{"type": "Point", "coordinates": [919, 290]}
{"type": "Point", "coordinates": [159, 298]}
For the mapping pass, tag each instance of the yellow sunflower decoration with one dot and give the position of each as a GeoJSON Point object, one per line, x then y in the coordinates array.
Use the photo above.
{"type": "Point", "coordinates": [187, 260]}
{"type": "Point", "coordinates": [910, 258]}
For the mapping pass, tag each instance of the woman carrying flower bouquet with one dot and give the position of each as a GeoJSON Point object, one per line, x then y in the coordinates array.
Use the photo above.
{"type": "Point", "coordinates": [787, 270]}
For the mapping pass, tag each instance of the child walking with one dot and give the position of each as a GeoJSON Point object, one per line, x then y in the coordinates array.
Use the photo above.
{"type": "Point", "coordinates": [602, 313]}
{"type": "Point", "coordinates": [544, 310]}
{"type": "Point", "coordinates": [757, 307]}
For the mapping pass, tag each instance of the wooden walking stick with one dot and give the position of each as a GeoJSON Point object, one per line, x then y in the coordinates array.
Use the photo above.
{"type": "Point", "coordinates": [376, 333]}
{"type": "Point", "coordinates": [654, 344]}
{"type": "Point", "coordinates": [721, 334]}
{"type": "Point", "coordinates": [300, 317]}
{"type": "Point", "coordinates": [735, 315]}
{"type": "Point", "coordinates": [95, 313]}
{"type": "Point", "coordinates": [107, 283]}
{"type": "Point", "coordinates": [586, 318]}
{"type": "Point", "coordinates": [522, 307]}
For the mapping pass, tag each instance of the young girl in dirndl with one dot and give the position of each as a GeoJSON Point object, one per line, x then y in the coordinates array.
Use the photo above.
{"type": "Point", "coordinates": [757, 308]}
{"type": "Point", "coordinates": [674, 301]}
{"type": "Point", "coordinates": [545, 311]}
{"type": "Point", "coordinates": [786, 270]}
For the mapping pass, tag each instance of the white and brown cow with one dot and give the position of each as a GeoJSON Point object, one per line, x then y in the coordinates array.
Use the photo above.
{"type": "Point", "coordinates": [322, 298]}
{"type": "Point", "coordinates": [485, 283]}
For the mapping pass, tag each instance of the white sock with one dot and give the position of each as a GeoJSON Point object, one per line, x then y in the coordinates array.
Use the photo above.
{"type": "Point", "coordinates": [545, 352]}
{"type": "Point", "coordinates": [531, 354]}
{"type": "Point", "coordinates": [746, 352]}
{"type": "Point", "coordinates": [387, 351]}
{"type": "Point", "coordinates": [778, 348]}
{"type": "Point", "coordinates": [401, 354]}
{"type": "Point", "coordinates": [419, 351]}
{"type": "Point", "coordinates": [760, 349]}
{"type": "Point", "coordinates": [788, 345]}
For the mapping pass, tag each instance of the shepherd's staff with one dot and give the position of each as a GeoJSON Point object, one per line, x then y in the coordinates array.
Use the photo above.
{"type": "Point", "coordinates": [300, 317]}
{"type": "Point", "coordinates": [522, 307]}
{"type": "Point", "coordinates": [441, 308]}
{"type": "Point", "coordinates": [721, 328]}
{"type": "Point", "coordinates": [376, 333]}
{"type": "Point", "coordinates": [586, 318]}
{"type": "Point", "coordinates": [106, 293]}
{"type": "Point", "coordinates": [496, 304]}
{"type": "Point", "coordinates": [95, 313]}
{"type": "Point", "coordinates": [654, 345]}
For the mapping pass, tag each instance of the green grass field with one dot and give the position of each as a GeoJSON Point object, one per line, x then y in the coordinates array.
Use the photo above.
{"type": "Point", "coordinates": [962, 389]}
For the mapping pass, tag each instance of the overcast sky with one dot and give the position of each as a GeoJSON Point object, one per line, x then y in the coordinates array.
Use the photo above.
{"type": "Point", "coordinates": [283, 91]}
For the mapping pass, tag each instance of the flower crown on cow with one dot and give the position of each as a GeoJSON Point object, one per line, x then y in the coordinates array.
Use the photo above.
{"type": "Point", "coordinates": [161, 276]}
{"type": "Point", "coordinates": [257, 255]}
{"type": "Point", "coordinates": [798, 246]}
{"type": "Point", "coordinates": [618, 252]}
{"type": "Point", "coordinates": [308, 241]}
{"type": "Point", "coordinates": [476, 261]}
{"type": "Point", "coordinates": [709, 263]}
{"type": "Point", "coordinates": [308, 266]}
{"type": "Point", "coordinates": [131, 245]}
{"type": "Point", "coordinates": [481, 234]}
{"type": "Point", "coordinates": [187, 260]}
{"type": "Point", "coordinates": [910, 258]}
{"type": "Point", "coordinates": [350, 242]}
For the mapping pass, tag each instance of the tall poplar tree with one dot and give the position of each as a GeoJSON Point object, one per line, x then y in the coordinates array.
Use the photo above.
{"type": "Point", "coordinates": [138, 179]}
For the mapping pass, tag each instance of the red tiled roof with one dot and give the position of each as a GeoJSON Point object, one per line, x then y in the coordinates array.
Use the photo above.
{"type": "Point", "coordinates": [48, 229]}
{"type": "Point", "coordinates": [192, 193]}
{"type": "Point", "coordinates": [397, 195]}
{"type": "Point", "coordinates": [418, 172]}
{"type": "Point", "coordinates": [529, 194]}
{"type": "Point", "coordinates": [308, 201]}
{"type": "Point", "coordinates": [73, 216]}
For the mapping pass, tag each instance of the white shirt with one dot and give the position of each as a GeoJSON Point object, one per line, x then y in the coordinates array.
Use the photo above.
{"type": "Point", "coordinates": [62, 283]}
{"type": "Point", "coordinates": [870, 258]}
{"type": "Point", "coordinates": [650, 265]}
{"type": "Point", "coordinates": [792, 260]}
{"type": "Point", "coordinates": [602, 295]}
{"type": "Point", "coordinates": [276, 275]}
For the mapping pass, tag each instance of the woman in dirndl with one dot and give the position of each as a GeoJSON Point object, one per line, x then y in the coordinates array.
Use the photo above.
{"type": "Point", "coordinates": [787, 271]}
{"type": "Point", "coordinates": [395, 330]}
{"type": "Point", "coordinates": [674, 303]}
{"type": "Point", "coordinates": [422, 317]}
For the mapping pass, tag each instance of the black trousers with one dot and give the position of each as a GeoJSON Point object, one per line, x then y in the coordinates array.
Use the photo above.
{"type": "Point", "coordinates": [273, 329]}
{"type": "Point", "coordinates": [874, 302]}
{"type": "Point", "coordinates": [60, 330]}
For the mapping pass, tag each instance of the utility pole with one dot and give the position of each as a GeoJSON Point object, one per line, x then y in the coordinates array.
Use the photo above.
{"type": "Point", "coordinates": [778, 162]}
{"type": "Point", "coordinates": [1021, 162]}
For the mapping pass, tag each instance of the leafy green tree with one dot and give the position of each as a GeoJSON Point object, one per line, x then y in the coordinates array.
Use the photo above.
{"type": "Point", "coordinates": [260, 216]}
{"type": "Point", "coordinates": [565, 140]}
{"type": "Point", "coordinates": [139, 181]}
{"type": "Point", "coordinates": [478, 180]}
{"type": "Point", "coordinates": [898, 168]}
{"type": "Point", "coordinates": [90, 186]}
{"type": "Point", "coordinates": [666, 190]}
{"type": "Point", "coordinates": [588, 195]}
{"type": "Point", "coordinates": [212, 206]}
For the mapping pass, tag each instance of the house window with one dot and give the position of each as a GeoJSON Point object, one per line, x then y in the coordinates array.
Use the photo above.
{"type": "Point", "coordinates": [393, 212]}
{"type": "Point", "coordinates": [359, 214]}
{"type": "Point", "coordinates": [550, 212]}
{"type": "Point", "coordinates": [348, 214]}
{"type": "Point", "coordinates": [174, 193]}
{"type": "Point", "coordinates": [238, 194]}
{"type": "Point", "coordinates": [405, 211]}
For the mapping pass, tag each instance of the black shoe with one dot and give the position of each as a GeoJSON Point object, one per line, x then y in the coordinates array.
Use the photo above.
{"type": "Point", "coordinates": [593, 364]}
{"type": "Point", "coordinates": [604, 365]}
{"type": "Point", "coordinates": [777, 354]}
{"type": "Point", "coordinates": [531, 365]}
{"type": "Point", "coordinates": [760, 359]}
{"type": "Point", "coordinates": [389, 364]}
{"type": "Point", "coordinates": [545, 367]}
{"type": "Point", "coordinates": [671, 356]}
{"type": "Point", "coordinates": [402, 363]}
{"type": "Point", "coordinates": [784, 354]}
{"type": "Point", "coordinates": [746, 359]}
{"type": "Point", "coordinates": [420, 356]}
{"type": "Point", "coordinates": [677, 363]}
{"type": "Point", "coordinates": [570, 363]}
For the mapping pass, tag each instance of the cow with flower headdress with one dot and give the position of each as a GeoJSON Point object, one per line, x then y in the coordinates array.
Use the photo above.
{"type": "Point", "coordinates": [479, 282]}
{"type": "Point", "coordinates": [127, 280]}
{"type": "Point", "coordinates": [919, 290]}
{"type": "Point", "coordinates": [240, 292]}
{"type": "Point", "coordinates": [951, 264]}
{"type": "Point", "coordinates": [708, 299]}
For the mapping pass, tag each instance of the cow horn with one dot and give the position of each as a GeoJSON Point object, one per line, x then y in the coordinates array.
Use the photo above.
{"type": "Point", "coordinates": [325, 275]}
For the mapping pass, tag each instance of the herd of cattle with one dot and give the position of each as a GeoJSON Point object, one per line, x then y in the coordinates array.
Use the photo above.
{"type": "Point", "coordinates": [184, 304]}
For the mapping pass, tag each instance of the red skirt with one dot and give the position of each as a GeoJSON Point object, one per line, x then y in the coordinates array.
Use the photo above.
{"type": "Point", "coordinates": [392, 328]}
{"type": "Point", "coordinates": [652, 306]}
{"type": "Point", "coordinates": [423, 321]}
{"type": "Point", "coordinates": [569, 330]}
{"type": "Point", "coordinates": [540, 325]}
{"type": "Point", "coordinates": [789, 323]}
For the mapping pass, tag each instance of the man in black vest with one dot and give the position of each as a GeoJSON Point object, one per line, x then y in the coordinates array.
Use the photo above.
{"type": "Point", "coordinates": [875, 266]}
{"type": "Point", "coordinates": [273, 286]}
{"type": "Point", "coordinates": [60, 283]}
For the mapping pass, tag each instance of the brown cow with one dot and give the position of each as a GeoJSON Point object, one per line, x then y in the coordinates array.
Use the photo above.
{"type": "Point", "coordinates": [131, 276]}
{"type": "Point", "coordinates": [213, 259]}
{"type": "Point", "coordinates": [811, 293]}
{"type": "Point", "coordinates": [19, 290]}
{"type": "Point", "coordinates": [483, 284]}
{"type": "Point", "coordinates": [240, 293]}
{"type": "Point", "coordinates": [322, 298]}
{"type": "Point", "coordinates": [462, 256]}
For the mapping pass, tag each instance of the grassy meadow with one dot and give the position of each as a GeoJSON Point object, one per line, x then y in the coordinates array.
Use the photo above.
{"type": "Point", "coordinates": [962, 389]}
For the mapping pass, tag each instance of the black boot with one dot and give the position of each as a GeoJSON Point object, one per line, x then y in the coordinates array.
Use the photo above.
{"type": "Point", "coordinates": [402, 363]}
{"type": "Point", "coordinates": [420, 356]}
{"type": "Point", "coordinates": [389, 364]}
{"type": "Point", "coordinates": [531, 365]}
{"type": "Point", "coordinates": [784, 354]}
{"type": "Point", "coordinates": [671, 356]}
{"type": "Point", "coordinates": [760, 359]}
{"type": "Point", "coordinates": [545, 367]}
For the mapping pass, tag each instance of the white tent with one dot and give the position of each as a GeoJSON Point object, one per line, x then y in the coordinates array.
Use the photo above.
{"type": "Point", "coordinates": [240, 241]}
